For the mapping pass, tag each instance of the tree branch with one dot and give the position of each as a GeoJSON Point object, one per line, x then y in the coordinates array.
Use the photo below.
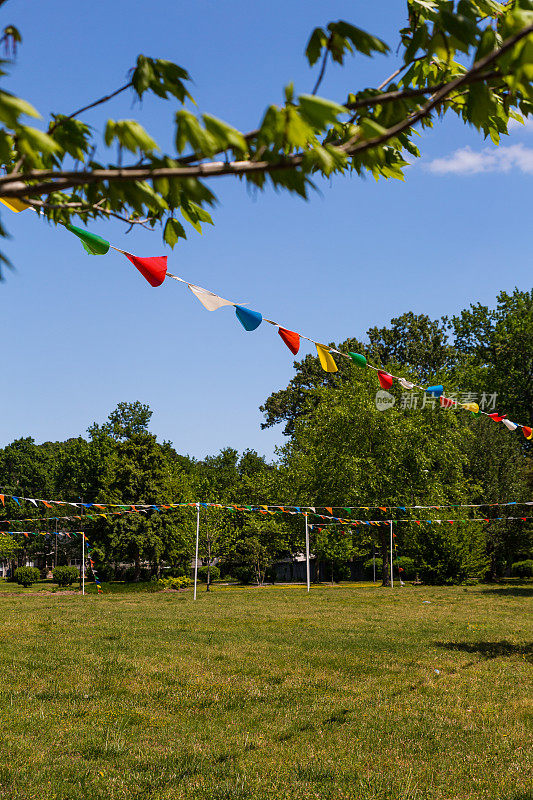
{"type": "Point", "coordinates": [322, 68]}
{"type": "Point", "coordinates": [81, 208]}
{"type": "Point", "coordinates": [52, 181]}
{"type": "Point", "coordinates": [92, 105]}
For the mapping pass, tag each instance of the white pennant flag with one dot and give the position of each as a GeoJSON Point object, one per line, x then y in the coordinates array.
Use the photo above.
{"type": "Point", "coordinates": [405, 383]}
{"type": "Point", "coordinates": [208, 299]}
{"type": "Point", "coordinates": [510, 425]}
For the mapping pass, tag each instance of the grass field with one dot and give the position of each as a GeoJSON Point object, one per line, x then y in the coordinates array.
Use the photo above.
{"type": "Point", "coordinates": [360, 693]}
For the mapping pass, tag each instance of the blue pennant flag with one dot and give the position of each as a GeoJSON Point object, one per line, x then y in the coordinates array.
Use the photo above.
{"type": "Point", "coordinates": [250, 320]}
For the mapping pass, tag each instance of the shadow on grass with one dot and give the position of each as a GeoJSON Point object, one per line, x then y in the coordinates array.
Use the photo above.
{"type": "Point", "coordinates": [491, 649]}
{"type": "Point", "coordinates": [510, 591]}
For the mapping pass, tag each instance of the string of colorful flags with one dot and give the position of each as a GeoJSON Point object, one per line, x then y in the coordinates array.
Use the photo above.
{"type": "Point", "coordinates": [272, 510]}
{"type": "Point", "coordinates": [285, 508]}
{"type": "Point", "coordinates": [374, 522]}
{"type": "Point", "coordinates": [154, 270]}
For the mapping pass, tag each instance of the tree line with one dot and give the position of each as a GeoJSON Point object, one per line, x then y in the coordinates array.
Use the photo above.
{"type": "Point", "coordinates": [340, 450]}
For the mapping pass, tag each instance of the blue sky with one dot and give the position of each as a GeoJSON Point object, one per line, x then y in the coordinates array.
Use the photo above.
{"type": "Point", "coordinates": [84, 333]}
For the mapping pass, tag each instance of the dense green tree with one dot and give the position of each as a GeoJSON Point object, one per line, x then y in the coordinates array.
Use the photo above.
{"type": "Point", "coordinates": [496, 345]}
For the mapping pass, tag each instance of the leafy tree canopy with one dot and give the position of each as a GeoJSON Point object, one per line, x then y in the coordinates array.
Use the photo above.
{"type": "Point", "coordinates": [470, 58]}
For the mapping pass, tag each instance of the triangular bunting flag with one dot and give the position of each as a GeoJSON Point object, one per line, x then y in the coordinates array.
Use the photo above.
{"type": "Point", "coordinates": [291, 339]}
{"type": "Point", "coordinates": [528, 433]}
{"type": "Point", "coordinates": [385, 380]}
{"type": "Point", "coordinates": [208, 299]}
{"type": "Point", "coordinates": [509, 425]}
{"type": "Point", "coordinates": [326, 360]}
{"type": "Point", "coordinates": [14, 204]}
{"type": "Point", "coordinates": [154, 269]}
{"type": "Point", "coordinates": [446, 402]}
{"type": "Point", "coordinates": [358, 359]}
{"type": "Point", "coordinates": [405, 383]}
{"type": "Point", "coordinates": [497, 417]}
{"type": "Point", "coordinates": [93, 244]}
{"type": "Point", "coordinates": [250, 320]}
{"type": "Point", "coordinates": [435, 391]}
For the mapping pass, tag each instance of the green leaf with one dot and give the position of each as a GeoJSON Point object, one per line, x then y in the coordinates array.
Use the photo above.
{"type": "Point", "coordinates": [11, 108]}
{"type": "Point", "coordinates": [317, 41]}
{"type": "Point", "coordinates": [371, 129]}
{"type": "Point", "coordinates": [37, 140]}
{"type": "Point", "coordinates": [462, 28]}
{"type": "Point", "coordinates": [6, 148]}
{"type": "Point", "coordinates": [362, 41]}
{"type": "Point", "coordinates": [130, 135]}
{"type": "Point", "coordinates": [174, 231]}
{"type": "Point", "coordinates": [189, 131]}
{"type": "Point", "coordinates": [225, 134]}
{"type": "Point", "coordinates": [319, 112]}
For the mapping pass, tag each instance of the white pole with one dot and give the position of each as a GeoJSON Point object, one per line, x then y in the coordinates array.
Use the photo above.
{"type": "Point", "coordinates": [197, 545]}
{"type": "Point", "coordinates": [391, 575]}
{"type": "Point", "coordinates": [83, 562]}
{"type": "Point", "coordinates": [374, 559]}
{"type": "Point", "coordinates": [307, 554]}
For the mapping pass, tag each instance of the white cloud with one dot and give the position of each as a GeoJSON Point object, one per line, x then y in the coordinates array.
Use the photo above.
{"type": "Point", "coordinates": [466, 161]}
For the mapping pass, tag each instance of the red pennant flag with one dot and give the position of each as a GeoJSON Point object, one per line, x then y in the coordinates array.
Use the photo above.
{"type": "Point", "coordinates": [528, 433]}
{"type": "Point", "coordinates": [445, 402]}
{"type": "Point", "coordinates": [153, 269]}
{"type": "Point", "coordinates": [291, 339]}
{"type": "Point", "coordinates": [385, 380]}
{"type": "Point", "coordinates": [497, 417]}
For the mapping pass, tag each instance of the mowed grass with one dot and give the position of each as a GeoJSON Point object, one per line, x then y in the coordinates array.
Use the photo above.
{"type": "Point", "coordinates": [366, 693]}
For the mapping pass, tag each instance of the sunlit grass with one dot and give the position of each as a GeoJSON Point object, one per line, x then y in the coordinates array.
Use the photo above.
{"type": "Point", "coordinates": [351, 692]}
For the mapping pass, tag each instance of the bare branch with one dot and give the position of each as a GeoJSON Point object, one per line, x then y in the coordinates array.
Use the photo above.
{"type": "Point", "coordinates": [322, 68]}
{"type": "Point", "coordinates": [92, 105]}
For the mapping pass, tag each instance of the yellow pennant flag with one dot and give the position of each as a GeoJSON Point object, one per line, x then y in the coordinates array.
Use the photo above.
{"type": "Point", "coordinates": [473, 407]}
{"type": "Point", "coordinates": [326, 359]}
{"type": "Point", "coordinates": [14, 204]}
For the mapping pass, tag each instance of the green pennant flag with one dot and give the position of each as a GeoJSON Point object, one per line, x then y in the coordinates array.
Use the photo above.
{"type": "Point", "coordinates": [358, 359]}
{"type": "Point", "coordinates": [93, 244]}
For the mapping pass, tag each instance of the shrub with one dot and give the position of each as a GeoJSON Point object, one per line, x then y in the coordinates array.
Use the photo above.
{"type": "Point", "coordinates": [174, 583]}
{"type": "Point", "coordinates": [25, 576]}
{"type": "Point", "coordinates": [523, 569]}
{"type": "Point", "coordinates": [179, 571]}
{"type": "Point", "coordinates": [214, 572]}
{"type": "Point", "coordinates": [65, 576]}
{"type": "Point", "coordinates": [244, 574]}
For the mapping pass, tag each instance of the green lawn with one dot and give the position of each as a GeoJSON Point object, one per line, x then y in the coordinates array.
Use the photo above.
{"type": "Point", "coordinates": [351, 692]}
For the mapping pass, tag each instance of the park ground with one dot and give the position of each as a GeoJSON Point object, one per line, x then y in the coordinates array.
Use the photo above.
{"type": "Point", "coordinates": [363, 693]}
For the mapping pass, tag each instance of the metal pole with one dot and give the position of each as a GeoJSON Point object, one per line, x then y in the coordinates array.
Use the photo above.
{"type": "Point", "coordinates": [197, 545]}
{"type": "Point", "coordinates": [82, 562]}
{"type": "Point", "coordinates": [374, 562]}
{"type": "Point", "coordinates": [308, 569]}
{"type": "Point", "coordinates": [391, 575]}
